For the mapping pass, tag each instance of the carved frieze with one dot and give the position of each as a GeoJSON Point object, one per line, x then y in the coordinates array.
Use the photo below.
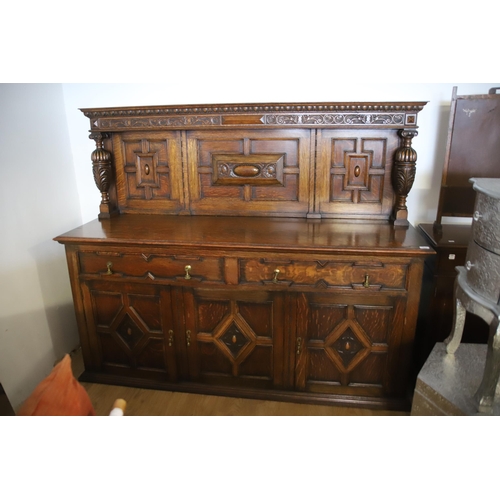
{"type": "Point", "coordinates": [151, 123]}
{"type": "Point", "coordinates": [327, 115]}
{"type": "Point", "coordinates": [292, 119]}
{"type": "Point", "coordinates": [337, 119]}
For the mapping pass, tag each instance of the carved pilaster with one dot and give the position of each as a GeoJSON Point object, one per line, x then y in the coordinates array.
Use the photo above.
{"type": "Point", "coordinates": [101, 166]}
{"type": "Point", "coordinates": [403, 175]}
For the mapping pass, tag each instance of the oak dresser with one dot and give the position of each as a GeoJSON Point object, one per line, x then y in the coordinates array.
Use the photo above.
{"type": "Point", "coordinates": [252, 250]}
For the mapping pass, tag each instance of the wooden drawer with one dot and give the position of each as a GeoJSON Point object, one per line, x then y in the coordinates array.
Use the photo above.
{"type": "Point", "coordinates": [152, 266]}
{"type": "Point", "coordinates": [486, 222]}
{"type": "Point", "coordinates": [483, 272]}
{"type": "Point", "coordinates": [324, 274]}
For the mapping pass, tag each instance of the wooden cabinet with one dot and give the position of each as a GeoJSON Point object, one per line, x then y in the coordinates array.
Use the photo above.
{"type": "Point", "coordinates": [259, 251]}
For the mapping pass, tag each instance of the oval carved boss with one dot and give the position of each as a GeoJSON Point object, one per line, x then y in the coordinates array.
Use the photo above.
{"type": "Point", "coordinates": [246, 170]}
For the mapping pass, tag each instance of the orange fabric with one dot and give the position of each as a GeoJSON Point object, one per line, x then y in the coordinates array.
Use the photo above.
{"type": "Point", "coordinates": [59, 394]}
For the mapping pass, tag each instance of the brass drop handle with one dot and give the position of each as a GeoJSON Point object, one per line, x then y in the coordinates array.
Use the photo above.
{"type": "Point", "coordinates": [109, 265]}
{"type": "Point", "coordinates": [170, 338]}
{"type": "Point", "coordinates": [187, 269]}
{"type": "Point", "coordinates": [188, 338]}
{"type": "Point", "coordinates": [366, 283]}
{"type": "Point", "coordinates": [275, 277]}
{"type": "Point", "coordinates": [299, 345]}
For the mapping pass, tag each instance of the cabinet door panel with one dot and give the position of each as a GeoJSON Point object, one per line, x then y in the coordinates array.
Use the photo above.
{"type": "Point", "coordinates": [149, 172]}
{"type": "Point", "coordinates": [249, 172]}
{"type": "Point", "coordinates": [238, 337]}
{"type": "Point", "coordinates": [346, 347]}
{"type": "Point", "coordinates": [354, 173]}
{"type": "Point", "coordinates": [126, 325]}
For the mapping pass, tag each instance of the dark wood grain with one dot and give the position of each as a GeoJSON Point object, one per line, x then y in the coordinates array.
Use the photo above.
{"type": "Point", "coordinates": [252, 251]}
{"type": "Point", "coordinates": [346, 237]}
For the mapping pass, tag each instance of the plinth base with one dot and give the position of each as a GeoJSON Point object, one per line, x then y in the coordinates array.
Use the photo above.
{"type": "Point", "coordinates": [447, 382]}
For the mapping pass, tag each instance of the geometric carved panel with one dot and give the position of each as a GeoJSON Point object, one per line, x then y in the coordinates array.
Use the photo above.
{"type": "Point", "coordinates": [254, 170]}
{"type": "Point", "coordinates": [248, 172]}
{"type": "Point", "coordinates": [357, 170]}
{"type": "Point", "coordinates": [234, 339]}
{"type": "Point", "coordinates": [347, 346]}
{"type": "Point", "coordinates": [130, 333]}
{"type": "Point", "coordinates": [147, 170]}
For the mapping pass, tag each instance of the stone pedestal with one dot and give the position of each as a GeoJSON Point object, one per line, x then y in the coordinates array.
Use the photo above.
{"type": "Point", "coordinates": [447, 382]}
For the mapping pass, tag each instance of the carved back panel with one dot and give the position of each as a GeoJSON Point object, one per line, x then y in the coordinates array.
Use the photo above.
{"type": "Point", "coordinates": [149, 172]}
{"type": "Point", "coordinates": [336, 160]}
{"type": "Point", "coordinates": [354, 173]}
{"type": "Point", "coordinates": [249, 172]}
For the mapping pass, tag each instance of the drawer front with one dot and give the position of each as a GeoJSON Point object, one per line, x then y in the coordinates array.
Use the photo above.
{"type": "Point", "coordinates": [152, 266]}
{"type": "Point", "coordinates": [486, 223]}
{"type": "Point", "coordinates": [324, 274]}
{"type": "Point", "coordinates": [483, 272]}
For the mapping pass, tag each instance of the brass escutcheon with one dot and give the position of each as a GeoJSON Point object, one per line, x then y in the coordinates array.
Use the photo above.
{"type": "Point", "coordinates": [299, 345]}
{"type": "Point", "coordinates": [109, 265]}
{"type": "Point", "coordinates": [188, 338]}
{"type": "Point", "coordinates": [366, 283]}
{"type": "Point", "coordinates": [170, 338]}
{"type": "Point", "coordinates": [187, 269]}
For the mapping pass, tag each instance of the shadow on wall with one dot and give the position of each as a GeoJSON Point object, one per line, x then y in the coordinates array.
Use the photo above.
{"type": "Point", "coordinates": [55, 288]}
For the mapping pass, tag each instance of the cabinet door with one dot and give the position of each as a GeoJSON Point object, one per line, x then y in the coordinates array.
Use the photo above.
{"type": "Point", "coordinates": [347, 344]}
{"type": "Point", "coordinates": [130, 329]}
{"type": "Point", "coordinates": [235, 338]}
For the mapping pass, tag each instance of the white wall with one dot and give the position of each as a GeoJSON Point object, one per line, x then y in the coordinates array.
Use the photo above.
{"type": "Point", "coordinates": [38, 201]}
{"type": "Point", "coordinates": [430, 144]}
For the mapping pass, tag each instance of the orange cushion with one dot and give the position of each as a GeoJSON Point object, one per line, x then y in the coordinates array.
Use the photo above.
{"type": "Point", "coordinates": [59, 394]}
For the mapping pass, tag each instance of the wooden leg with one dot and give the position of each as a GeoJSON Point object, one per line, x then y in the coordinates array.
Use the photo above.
{"type": "Point", "coordinates": [485, 395]}
{"type": "Point", "coordinates": [455, 337]}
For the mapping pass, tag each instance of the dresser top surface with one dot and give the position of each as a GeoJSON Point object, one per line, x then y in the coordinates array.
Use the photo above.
{"type": "Point", "coordinates": [450, 235]}
{"type": "Point", "coordinates": [230, 233]}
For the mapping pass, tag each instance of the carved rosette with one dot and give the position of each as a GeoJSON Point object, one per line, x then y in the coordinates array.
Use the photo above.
{"type": "Point", "coordinates": [403, 175]}
{"type": "Point", "coordinates": [101, 166]}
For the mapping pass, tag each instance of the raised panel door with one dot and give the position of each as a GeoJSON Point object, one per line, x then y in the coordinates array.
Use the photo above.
{"type": "Point", "coordinates": [130, 329]}
{"type": "Point", "coordinates": [235, 338]}
{"type": "Point", "coordinates": [346, 344]}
